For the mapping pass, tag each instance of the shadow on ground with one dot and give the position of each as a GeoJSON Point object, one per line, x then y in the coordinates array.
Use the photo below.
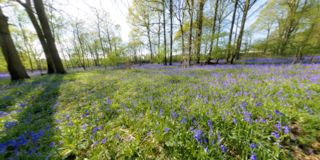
{"type": "Point", "coordinates": [27, 132]}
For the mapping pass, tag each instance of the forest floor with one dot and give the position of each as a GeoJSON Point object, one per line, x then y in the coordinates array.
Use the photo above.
{"type": "Point", "coordinates": [153, 112]}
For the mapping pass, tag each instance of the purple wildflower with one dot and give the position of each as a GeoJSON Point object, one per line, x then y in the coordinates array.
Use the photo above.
{"type": "Point", "coordinates": [253, 157]}
{"type": "Point", "coordinates": [253, 146]}
{"type": "Point", "coordinates": [104, 140]}
{"type": "Point", "coordinates": [223, 148]}
{"type": "Point", "coordinates": [198, 135]}
{"type": "Point", "coordinates": [286, 129]}
{"type": "Point", "coordinates": [166, 130]}
{"type": "Point", "coordinates": [234, 120]}
{"type": "Point", "coordinates": [174, 115]}
{"type": "Point", "coordinates": [51, 144]}
{"type": "Point", "coordinates": [184, 120]}
{"type": "Point", "coordinates": [278, 126]}
{"type": "Point", "coordinates": [95, 130]}
{"type": "Point", "coordinates": [84, 126]}
{"type": "Point", "coordinates": [9, 125]}
{"type": "Point", "coordinates": [275, 135]}
{"type": "Point", "coordinates": [277, 112]}
{"type": "Point", "coordinates": [210, 124]}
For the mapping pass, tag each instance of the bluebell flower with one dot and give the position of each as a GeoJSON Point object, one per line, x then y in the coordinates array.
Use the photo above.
{"type": "Point", "coordinates": [243, 105]}
{"type": "Point", "coordinates": [234, 120]}
{"type": "Point", "coordinates": [2, 114]}
{"type": "Point", "coordinates": [9, 125]}
{"type": "Point", "coordinates": [95, 143]}
{"type": "Point", "coordinates": [219, 137]}
{"type": "Point", "coordinates": [253, 146]}
{"type": "Point", "coordinates": [95, 130]}
{"type": "Point", "coordinates": [286, 129]}
{"type": "Point", "coordinates": [84, 126]}
{"type": "Point", "coordinates": [51, 144]}
{"type": "Point", "coordinates": [206, 150]}
{"type": "Point", "coordinates": [104, 140]}
{"type": "Point", "coordinates": [278, 112]}
{"type": "Point", "coordinates": [210, 124]}
{"type": "Point", "coordinates": [68, 117]}
{"type": "Point", "coordinates": [161, 111]}
{"type": "Point", "coordinates": [166, 130]}
{"type": "Point", "coordinates": [223, 148]}
{"type": "Point", "coordinates": [275, 135]}
{"type": "Point", "coordinates": [184, 120]}
{"type": "Point", "coordinates": [278, 126]}
{"type": "Point", "coordinates": [174, 115]}
{"type": "Point", "coordinates": [108, 101]}
{"type": "Point", "coordinates": [258, 104]}
{"type": "Point", "coordinates": [198, 135]}
{"type": "Point", "coordinates": [253, 157]}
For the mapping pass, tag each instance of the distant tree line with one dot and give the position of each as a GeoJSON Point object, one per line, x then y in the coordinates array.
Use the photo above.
{"type": "Point", "coordinates": [162, 31]}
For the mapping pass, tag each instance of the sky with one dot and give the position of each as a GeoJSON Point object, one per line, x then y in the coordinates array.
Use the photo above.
{"type": "Point", "coordinates": [82, 9]}
{"type": "Point", "coordinates": [118, 11]}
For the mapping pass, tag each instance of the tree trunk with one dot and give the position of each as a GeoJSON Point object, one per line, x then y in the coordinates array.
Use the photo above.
{"type": "Point", "coordinates": [171, 31]}
{"type": "Point", "coordinates": [199, 29]}
{"type": "Point", "coordinates": [267, 41]}
{"type": "Point", "coordinates": [213, 30]}
{"type": "Point", "coordinates": [14, 64]}
{"type": "Point", "coordinates": [149, 38]}
{"type": "Point", "coordinates": [164, 32]}
{"type": "Point", "coordinates": [48, 35]}
{"type": "Point", "coordinates": [27, 6]}
{"type": "Point", "coordinates": [231, 30]}
{"type": "Point", "coordinates": [190, 29]}
{"type": "Point", "coordinates": [243, 23]}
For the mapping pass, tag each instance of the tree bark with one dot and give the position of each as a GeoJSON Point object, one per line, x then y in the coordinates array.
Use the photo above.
{"type": "Point", "coordinates": [171, 31]}
{"type": "Point", "coordinates": [190, 29]}
{"type": "Point", "coordinates": [213, 30]}
{"type": "Point", "coordinates": [231, 30]}
{"type": "Point", "coordinates": [14, 64]}
{"type": "Point", "coordinates": [164, 31]}
{"type": "Point", "coordinates": [39, 6]}
{"type": "Point", "coordinates": [28, 7]}
{"type": "Point", "coordinates": [199, 29]}
{"type": "Point", "coordinates": [243, 23]}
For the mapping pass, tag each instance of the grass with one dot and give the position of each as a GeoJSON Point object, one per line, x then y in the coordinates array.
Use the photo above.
{"type": "Point", "coordinates": [226, 112]}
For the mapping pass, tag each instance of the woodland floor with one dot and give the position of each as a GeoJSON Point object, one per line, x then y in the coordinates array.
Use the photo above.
{"type": "Point", "coordinates": [154, 112]}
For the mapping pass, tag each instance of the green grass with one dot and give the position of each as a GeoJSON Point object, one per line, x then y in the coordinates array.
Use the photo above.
{"type": "Point", "coordinates": [156, 114]}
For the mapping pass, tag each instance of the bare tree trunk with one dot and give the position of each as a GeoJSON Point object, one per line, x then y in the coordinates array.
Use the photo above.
{"type": "Point", "coordinates": [48, 35]}
{"type": "Point", "coordinates": [213, 30]}
{"type": "Point", "coordinates": [164, 32]}
{"type": "Point", "coordinates": [243, 23]}
{"type": "Point", "coordinates": [27, 46]}
{"type": "Point", "coordinates": [231, 30]}
{"type": "Point", "coordinates": [171, 31]}
{"type": "Point", "coordinates": [14, 64]}
{"type": "Point", "coordinates": [28, 7]}
{"type": "Point", "coordinates": [190, 29]}
{"type": "Point", "coordinates": [149, 38]}
{"type": "Point", "coordinates": [199, 29]}
{"type": "Point", "coordinates": [267, 41]}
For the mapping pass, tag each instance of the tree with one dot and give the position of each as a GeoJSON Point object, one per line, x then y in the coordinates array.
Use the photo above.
{"type": "Point", "coordinates": [213, 29]}
{"type": "Point", "coordinates": [14, 64]}
{"type": "Point", "coordinates": [171, 31]}
{"type": "Point", "coordinates": [164, 31]}
{"type": "Point", "coordinates": [199, 29]}
{"type": "Point", "coordinates": [28, 7]}
{"type": "Point", "coordinates": [245, 9]}
{"type": "Point", "coordinates": [190, 4]}
{"type": "Point", "coordinates": [39, 6]}
{"type": "Point", "coordinates": [229, 54]}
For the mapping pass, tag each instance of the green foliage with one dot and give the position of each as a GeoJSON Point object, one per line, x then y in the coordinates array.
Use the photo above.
{"type": "Point", "coordinates": [154, 114]}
